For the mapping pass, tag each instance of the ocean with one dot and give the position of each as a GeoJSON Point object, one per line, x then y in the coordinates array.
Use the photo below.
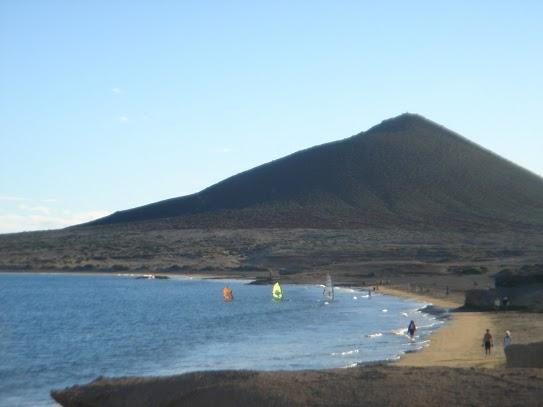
{"type": "Point", "coordinates": [57, 330]}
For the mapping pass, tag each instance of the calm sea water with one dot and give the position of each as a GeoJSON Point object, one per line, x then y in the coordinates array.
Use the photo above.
{"type": "Point", "coordinates": [57, 330]}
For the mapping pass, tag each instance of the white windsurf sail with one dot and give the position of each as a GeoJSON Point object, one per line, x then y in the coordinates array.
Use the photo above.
{"type": "Point", "coordinates": [328, 289]}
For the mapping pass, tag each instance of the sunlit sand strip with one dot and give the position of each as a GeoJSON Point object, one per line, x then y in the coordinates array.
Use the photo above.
{"type": "Point", "coordinates": [459, 344]}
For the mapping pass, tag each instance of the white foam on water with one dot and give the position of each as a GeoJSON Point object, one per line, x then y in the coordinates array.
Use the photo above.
{"type": "Point", "coordinates": [384, 310]}
{"type": "Point", "coordinates": [345, 353]}
{"type": "Point", "coordinates": [400, 331]}
{"type": "Point", "coordinates": [434, 324]}
{"type": "Point", "coordinates": [349, 290]}
{"type": "Point", "coordinates": [374, 335]}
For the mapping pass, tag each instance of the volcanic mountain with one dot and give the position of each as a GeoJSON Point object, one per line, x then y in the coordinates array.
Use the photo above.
{"type": "Point", "coordinates": [405, 171]}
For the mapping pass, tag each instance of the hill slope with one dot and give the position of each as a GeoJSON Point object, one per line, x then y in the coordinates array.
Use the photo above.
{"type": "Point", "coordinates": [406, 170]}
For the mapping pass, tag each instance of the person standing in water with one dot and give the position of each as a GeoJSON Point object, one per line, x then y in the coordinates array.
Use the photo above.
{"type": "Point", "coordinates": [488, 342]}
{"type": "Point", "coordinates": [411, 329]}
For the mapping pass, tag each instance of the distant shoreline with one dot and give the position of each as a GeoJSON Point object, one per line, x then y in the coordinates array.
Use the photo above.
{"type": "Point", "coordinates": [455, 344]}
{"type": "Point", "coordinates": [314, 281]}
{"type": "Point", "coordinates": [125, 273]}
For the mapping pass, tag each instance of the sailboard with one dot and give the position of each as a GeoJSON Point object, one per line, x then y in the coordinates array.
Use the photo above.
{"type": "Point", "coordinates": [227, 294]}
{"type": "Point", "coordinates": [277, 292]}
{"type": "Point", "coordinates": [328, 292]}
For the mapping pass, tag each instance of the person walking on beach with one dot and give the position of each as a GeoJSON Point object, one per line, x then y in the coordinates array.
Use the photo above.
{"type": "Point", "coordinates": [488, 343]}
{"type": "Point", "coordinates": [411, 329]}
{"type": "Point", "coordinates": [507, 340]}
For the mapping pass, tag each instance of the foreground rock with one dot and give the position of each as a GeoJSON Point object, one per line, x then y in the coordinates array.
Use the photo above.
{"type": "Point", "coordinates": [368, 385]}
{"type": "Point", "coordinates": [525, 355]}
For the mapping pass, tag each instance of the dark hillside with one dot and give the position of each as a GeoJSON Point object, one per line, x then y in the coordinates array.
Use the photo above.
{"type": "Point", "coordinates": [406, 170]}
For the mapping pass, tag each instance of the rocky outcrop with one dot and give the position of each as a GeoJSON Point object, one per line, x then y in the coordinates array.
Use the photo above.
{"type": "Point", "coordinates": [528, 275]}
{"type": "Point", "coordinates": [525, 355]}
{"type": "Point", "coordinates": [483, 300]}
{"type": "Point", "coordinates": [522, 288]}
{"type": "Point", "coordinates": [372, 385]}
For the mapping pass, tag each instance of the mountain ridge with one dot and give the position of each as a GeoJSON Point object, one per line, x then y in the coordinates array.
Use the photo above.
{"type": "Point", "coordinates": [406, 169]}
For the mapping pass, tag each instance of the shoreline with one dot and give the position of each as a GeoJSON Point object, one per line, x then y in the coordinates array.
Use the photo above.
{"type": "Point", "coordinates": [446, 303]}
{"type": "Point", "coordinates": [169, 275]}
{"type": "Point", "coordinates": [457, 343]}
{"type": "Point", "coordinates": [248, 280]}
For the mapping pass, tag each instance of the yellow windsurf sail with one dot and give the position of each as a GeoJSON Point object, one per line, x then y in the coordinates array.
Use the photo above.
{"type": "Point", "coordinates": [277, 292]}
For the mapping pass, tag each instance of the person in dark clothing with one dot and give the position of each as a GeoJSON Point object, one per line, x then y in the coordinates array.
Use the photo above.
{"type": "Point", "coordinates": [411, 329]}
{"type": "Point", "coordinates": [488, 343]}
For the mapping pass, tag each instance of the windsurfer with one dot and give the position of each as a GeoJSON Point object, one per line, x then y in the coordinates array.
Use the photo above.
{"type": "Point", "coordinates": [277, 292]}
{"type": "Point", "coordinates": [227, 293]}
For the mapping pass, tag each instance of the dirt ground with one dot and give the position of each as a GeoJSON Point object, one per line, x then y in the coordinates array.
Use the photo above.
{"type": "Point", "coordinates": [366, 385]}
{"type": "Point", "coordinates": [358, 254]}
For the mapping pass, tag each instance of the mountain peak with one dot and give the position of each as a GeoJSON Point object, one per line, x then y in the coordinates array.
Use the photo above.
{"type": "Point", "coordinates": [403, 121]}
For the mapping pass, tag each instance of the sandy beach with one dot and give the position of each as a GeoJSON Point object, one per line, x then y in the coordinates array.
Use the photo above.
{"type": "Point", "coordinates": [459, 342]}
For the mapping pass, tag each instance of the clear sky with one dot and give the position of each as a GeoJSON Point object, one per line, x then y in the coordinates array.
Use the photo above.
{"type": "Point", "coordinates": [107, 105]}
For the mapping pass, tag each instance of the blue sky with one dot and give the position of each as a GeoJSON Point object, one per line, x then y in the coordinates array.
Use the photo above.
{"type": "Point", "coordinates": [107, 105]}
